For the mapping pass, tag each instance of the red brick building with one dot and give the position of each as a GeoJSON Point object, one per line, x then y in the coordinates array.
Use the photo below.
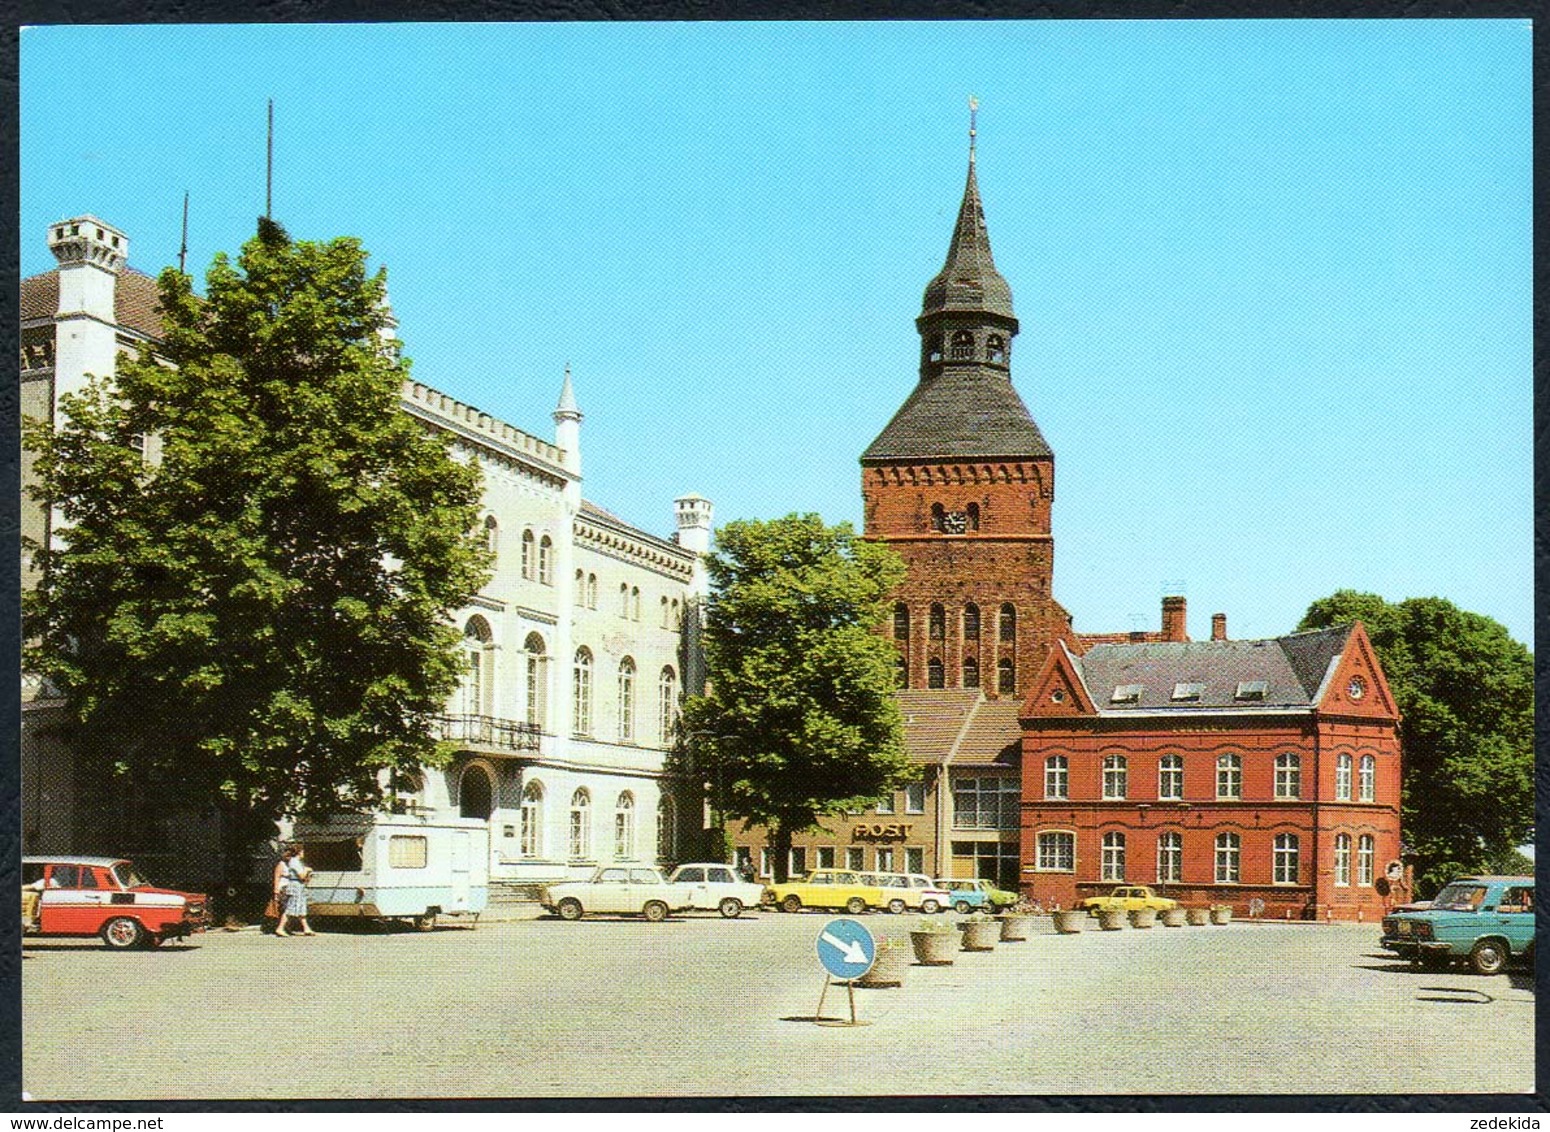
{"type": "Point", "coordinates": [1217, 771]}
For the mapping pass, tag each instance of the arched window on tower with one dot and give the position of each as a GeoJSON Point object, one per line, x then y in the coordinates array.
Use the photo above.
{"type": "Point", "coordinates": [901, 622]}
{"type": "Point", "coordinates": [971, 622]}
{"type": "Point", "coordinates": [1006, 677]}
{"type": "Point", "coordinates": [935, 675]}
{"type": "Point", "coordinates": [995, 349]}
{"type": "Point", "coordinates": [972, 511]}
{"type": "Point", "coordinates": [971, 672]}
{"type": "Point", "coordinates": [938, 517]}
{"type": "Point", "coordinates": [1008, 623]}
{"type": "Point", "coordinates": [937, 624]}
{"type": "Point", "coordinates": [963, 345]}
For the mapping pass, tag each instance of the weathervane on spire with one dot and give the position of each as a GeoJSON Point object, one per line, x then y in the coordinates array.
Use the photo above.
{"type": "Point", "coordinates": [974, 105]}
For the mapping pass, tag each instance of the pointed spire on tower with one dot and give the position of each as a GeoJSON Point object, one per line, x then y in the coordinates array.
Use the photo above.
{"type": "Point", "coordinates": [969, 280]}
{"type": "Point", "coordinates": [567, 405]}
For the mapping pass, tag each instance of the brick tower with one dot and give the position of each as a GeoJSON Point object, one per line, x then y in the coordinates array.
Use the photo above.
{"type": "Point", "coordinates": [960, 484]}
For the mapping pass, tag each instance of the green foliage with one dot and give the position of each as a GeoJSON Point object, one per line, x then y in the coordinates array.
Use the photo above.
{"type": "Point", "coordinates": [800, 719]}
{"type": "Point", "coordinates": [1465, 693]}
{"type": "Point", "coordinates": [258, 609]}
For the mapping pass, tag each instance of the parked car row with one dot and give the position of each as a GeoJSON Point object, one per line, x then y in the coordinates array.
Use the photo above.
{"type": "Point", "coordinates": [632, 890]}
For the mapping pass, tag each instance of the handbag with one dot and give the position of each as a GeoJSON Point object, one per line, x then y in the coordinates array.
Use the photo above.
{"type": "Point", "coordinates": [272, 909]}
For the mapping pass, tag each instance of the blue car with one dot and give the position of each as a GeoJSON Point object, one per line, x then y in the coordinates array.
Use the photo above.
{"type": "Point", "coordinates": [976, 895]}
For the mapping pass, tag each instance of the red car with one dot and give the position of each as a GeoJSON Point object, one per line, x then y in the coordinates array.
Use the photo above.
{"type": "Point", "coordinates": [103, 896]}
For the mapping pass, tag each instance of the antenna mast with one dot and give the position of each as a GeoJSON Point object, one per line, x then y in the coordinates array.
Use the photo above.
{"type": "Point", "coordinates": [269, 169]}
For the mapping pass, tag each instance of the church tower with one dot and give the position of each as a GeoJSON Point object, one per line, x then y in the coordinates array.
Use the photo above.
{"type": "Point", "coordinates": [960, 485]}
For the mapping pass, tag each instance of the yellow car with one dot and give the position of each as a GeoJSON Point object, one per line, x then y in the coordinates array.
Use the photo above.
{"type": "Point", "coordinates": [825, 888]}
{"type": "Point", "coordinates": [1127, 898]}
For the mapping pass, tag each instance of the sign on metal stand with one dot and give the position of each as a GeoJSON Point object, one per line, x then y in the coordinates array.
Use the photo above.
{"type": "Point", "coordinates": [846, 950]}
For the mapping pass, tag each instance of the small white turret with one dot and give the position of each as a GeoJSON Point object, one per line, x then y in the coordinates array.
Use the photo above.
{"type": "Point", "coordinates": [567, 425]}
{"type": "Point", "coordinates": [694, 513]}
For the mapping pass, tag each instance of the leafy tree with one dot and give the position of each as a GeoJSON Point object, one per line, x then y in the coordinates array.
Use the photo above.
{"type": "Point", "coordinates": [1465, 692]}
{"type": "Point", "coordinates": [800, 718]}
{"type": "Point", "coordinates": [254, 613]}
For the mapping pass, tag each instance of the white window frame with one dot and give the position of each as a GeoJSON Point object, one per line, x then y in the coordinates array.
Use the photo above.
{"type": "Point", "coordinates": [532, 820]}
{"type": "Point", "coordinates": [1116, 778]}
{"type": "Point", "coordinates": [624, 826]}
{"type": "Point", "coordinates": [1170, 778]}
{"type": "Point", "coordinates": [1342, 860]}
{"type": "Point", "coordinates": [667, 704]}
{"type": "Point", "coordinates": [1288, 776]}
{"type": "Point", "coordinates": [825, 857]}
{"type": "Point", "coordinates": [1366, 860]}
{"type": "Point", "coordinates": [1343, 778]}
{"type": "Point", "coordinates": [855, 858]}
{"type": "Point", "coordinates": [1286, 859]}
{"type": "Point", "coordinates": [581, 825]}
{"type": "Point", "coordinates": [885, 859]}
{"type": "Point", "coordinates": [1113, 860]}
{"type": "Point", "coordinates": [581, 692]}
{"type": "Point", "coordinates": [627, 700]}
{"type": "Point", "coordinates": [915, 797]}
{"type": "Point", "coordinates": [1170, 857]}
{"type": "Point", "coordinates": [1057, 778]}
{"type": "Point", "coordinates": [1367, 779]}
{"type": "Point", "coordinates": [1055, 851]}
{"type": "Point", "coordinates": [1229, 777]}
{"type": "Point", "coordinates": [885, 803]}
{"type": "Point", "coordinates": [1229, 858]}
{"type": "Point", "coordinates": [914, 859]}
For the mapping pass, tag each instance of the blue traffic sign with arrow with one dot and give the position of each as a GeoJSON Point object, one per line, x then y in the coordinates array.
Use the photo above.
{"type": "Point", "coordinates": [846, 949]}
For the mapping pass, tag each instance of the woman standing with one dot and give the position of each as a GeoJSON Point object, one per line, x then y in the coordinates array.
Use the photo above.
{"type": "Point", "coordinates": [291, 876]}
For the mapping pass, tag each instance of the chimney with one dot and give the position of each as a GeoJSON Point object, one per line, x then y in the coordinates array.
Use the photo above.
{"type": "Point", "coordinates": [1173, 626]}
{"type": "Point", "coordinates": [1218, 626]}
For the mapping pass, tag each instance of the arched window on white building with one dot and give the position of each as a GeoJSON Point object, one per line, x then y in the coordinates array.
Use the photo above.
{"type": "Point", "coordinates": [582, 691]}
{"type": "Point", "coordinates": [533, 819]}
{"type": "Point", "coordinates": [667, 705]}
{"type": "Point", "coordinates": [478, 672]}
{"type": "Point", "coordinates": [528, 555]}
{"type": "Point", "coordinates": [581, 825]}
{"type": "Point", "coordinates": [537, 680]}
{"type": "Point", "coordinates": [624, 827]}
{"type": "Point", "coordinates": [626, 700]}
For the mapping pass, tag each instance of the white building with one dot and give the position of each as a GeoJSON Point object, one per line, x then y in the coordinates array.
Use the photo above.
{"type": "Point", "coordinates": [579, 649]}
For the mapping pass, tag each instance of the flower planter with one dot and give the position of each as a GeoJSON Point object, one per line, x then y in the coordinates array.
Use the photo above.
{"type": "Point", "coordinates": [1221, 915]}
{"type": "Point", "coordinates": [1173, 917]}
{"type": "Point", "coordinates": [1015, 927]}
{"type": "Point", "coordinates": [1111, 920]}
{"type": "Point", "coordinates": [1198, 916]}
{"type": "Point", "coordinates": [980, 935]}
{"type": "Point", "coordinates": [934, 949]}
{"type": "Point", "coordinates": [1069, 922]}
{"type": "Point", "coordinates": [893, 959]}
{"type": "Point", "coordinates": [1143, 917]}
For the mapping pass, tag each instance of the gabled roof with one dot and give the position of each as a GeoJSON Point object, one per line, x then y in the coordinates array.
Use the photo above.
{"type": "Point", "coordinates": [961, 414]}
{"type": "Point", "coordinates": [993, 737]}
{"type": "Point", "coordinates": [934, 720]}
{"type": "Point", "coordinates": [136, 300]}
{"type": "Point", "coordinates": [1292, 669]}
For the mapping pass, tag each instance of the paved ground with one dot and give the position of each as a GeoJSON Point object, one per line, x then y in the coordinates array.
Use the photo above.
{"type": "Point", "coordinates": [707, 1007]}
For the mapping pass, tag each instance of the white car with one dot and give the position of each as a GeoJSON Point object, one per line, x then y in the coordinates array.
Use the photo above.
{"type": "Point", "coordinates": [910, 890]}
{"type": "Point", "coordinates": [710, 884]}
{"type": "Point", "coordinates": [620, 890]}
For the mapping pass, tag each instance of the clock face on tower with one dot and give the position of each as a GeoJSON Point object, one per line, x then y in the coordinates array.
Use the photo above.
{"type": "Point", "coordinates": [955, 523]}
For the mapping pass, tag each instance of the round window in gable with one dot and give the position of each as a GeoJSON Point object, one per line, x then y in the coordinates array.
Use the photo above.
{"type": "Point", "coordinates": [1057, 697]}
{"type": "Point", "coordinates": [1357, 688]}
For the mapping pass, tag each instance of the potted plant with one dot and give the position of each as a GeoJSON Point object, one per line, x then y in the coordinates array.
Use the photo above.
{"type": "Point", "coordinates": [1069, 922]}
{"type": "Point", "coordinates": [1221, 913]}
{"type": "Point", "coordinates": [1198, 916]}
{"type": "Point", "coordinates": [935, 940]}
{"type": "Point", "coordinates": [888, 966]}
{"type": "Point", "coordinates": [980, 932]}
{"type": "Point", "coordinates": [1018, 921]}
{"type": "Point", "coordinates": [1173, 917]}
{"type": "Point", "coordinates": [1143, 917]}
{"type": "Point", "coordinates": [1111, 919]}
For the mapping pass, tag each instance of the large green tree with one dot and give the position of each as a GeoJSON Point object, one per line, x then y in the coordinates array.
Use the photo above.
{"type": "Point", "coordinates": [1465, 692]}
{"type": "Point", "coordinates": [248, 602]}
{"type": "Point", "coordinates": [800, 718]}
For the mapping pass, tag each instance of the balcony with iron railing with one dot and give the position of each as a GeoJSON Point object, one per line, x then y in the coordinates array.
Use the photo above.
{"type": "Point", "coordinates": [489, 733]}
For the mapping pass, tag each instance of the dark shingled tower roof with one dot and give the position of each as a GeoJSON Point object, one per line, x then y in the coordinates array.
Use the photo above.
{"type": "Point", "coordinates": [964, 408]}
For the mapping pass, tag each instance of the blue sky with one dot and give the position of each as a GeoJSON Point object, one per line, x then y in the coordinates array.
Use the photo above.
{"type": "Point", "coordinates": [1273, 276]}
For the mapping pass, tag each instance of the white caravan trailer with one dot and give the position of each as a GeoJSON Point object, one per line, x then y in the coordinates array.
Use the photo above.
{"type": "Point", "coordinates": [397, 866]}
